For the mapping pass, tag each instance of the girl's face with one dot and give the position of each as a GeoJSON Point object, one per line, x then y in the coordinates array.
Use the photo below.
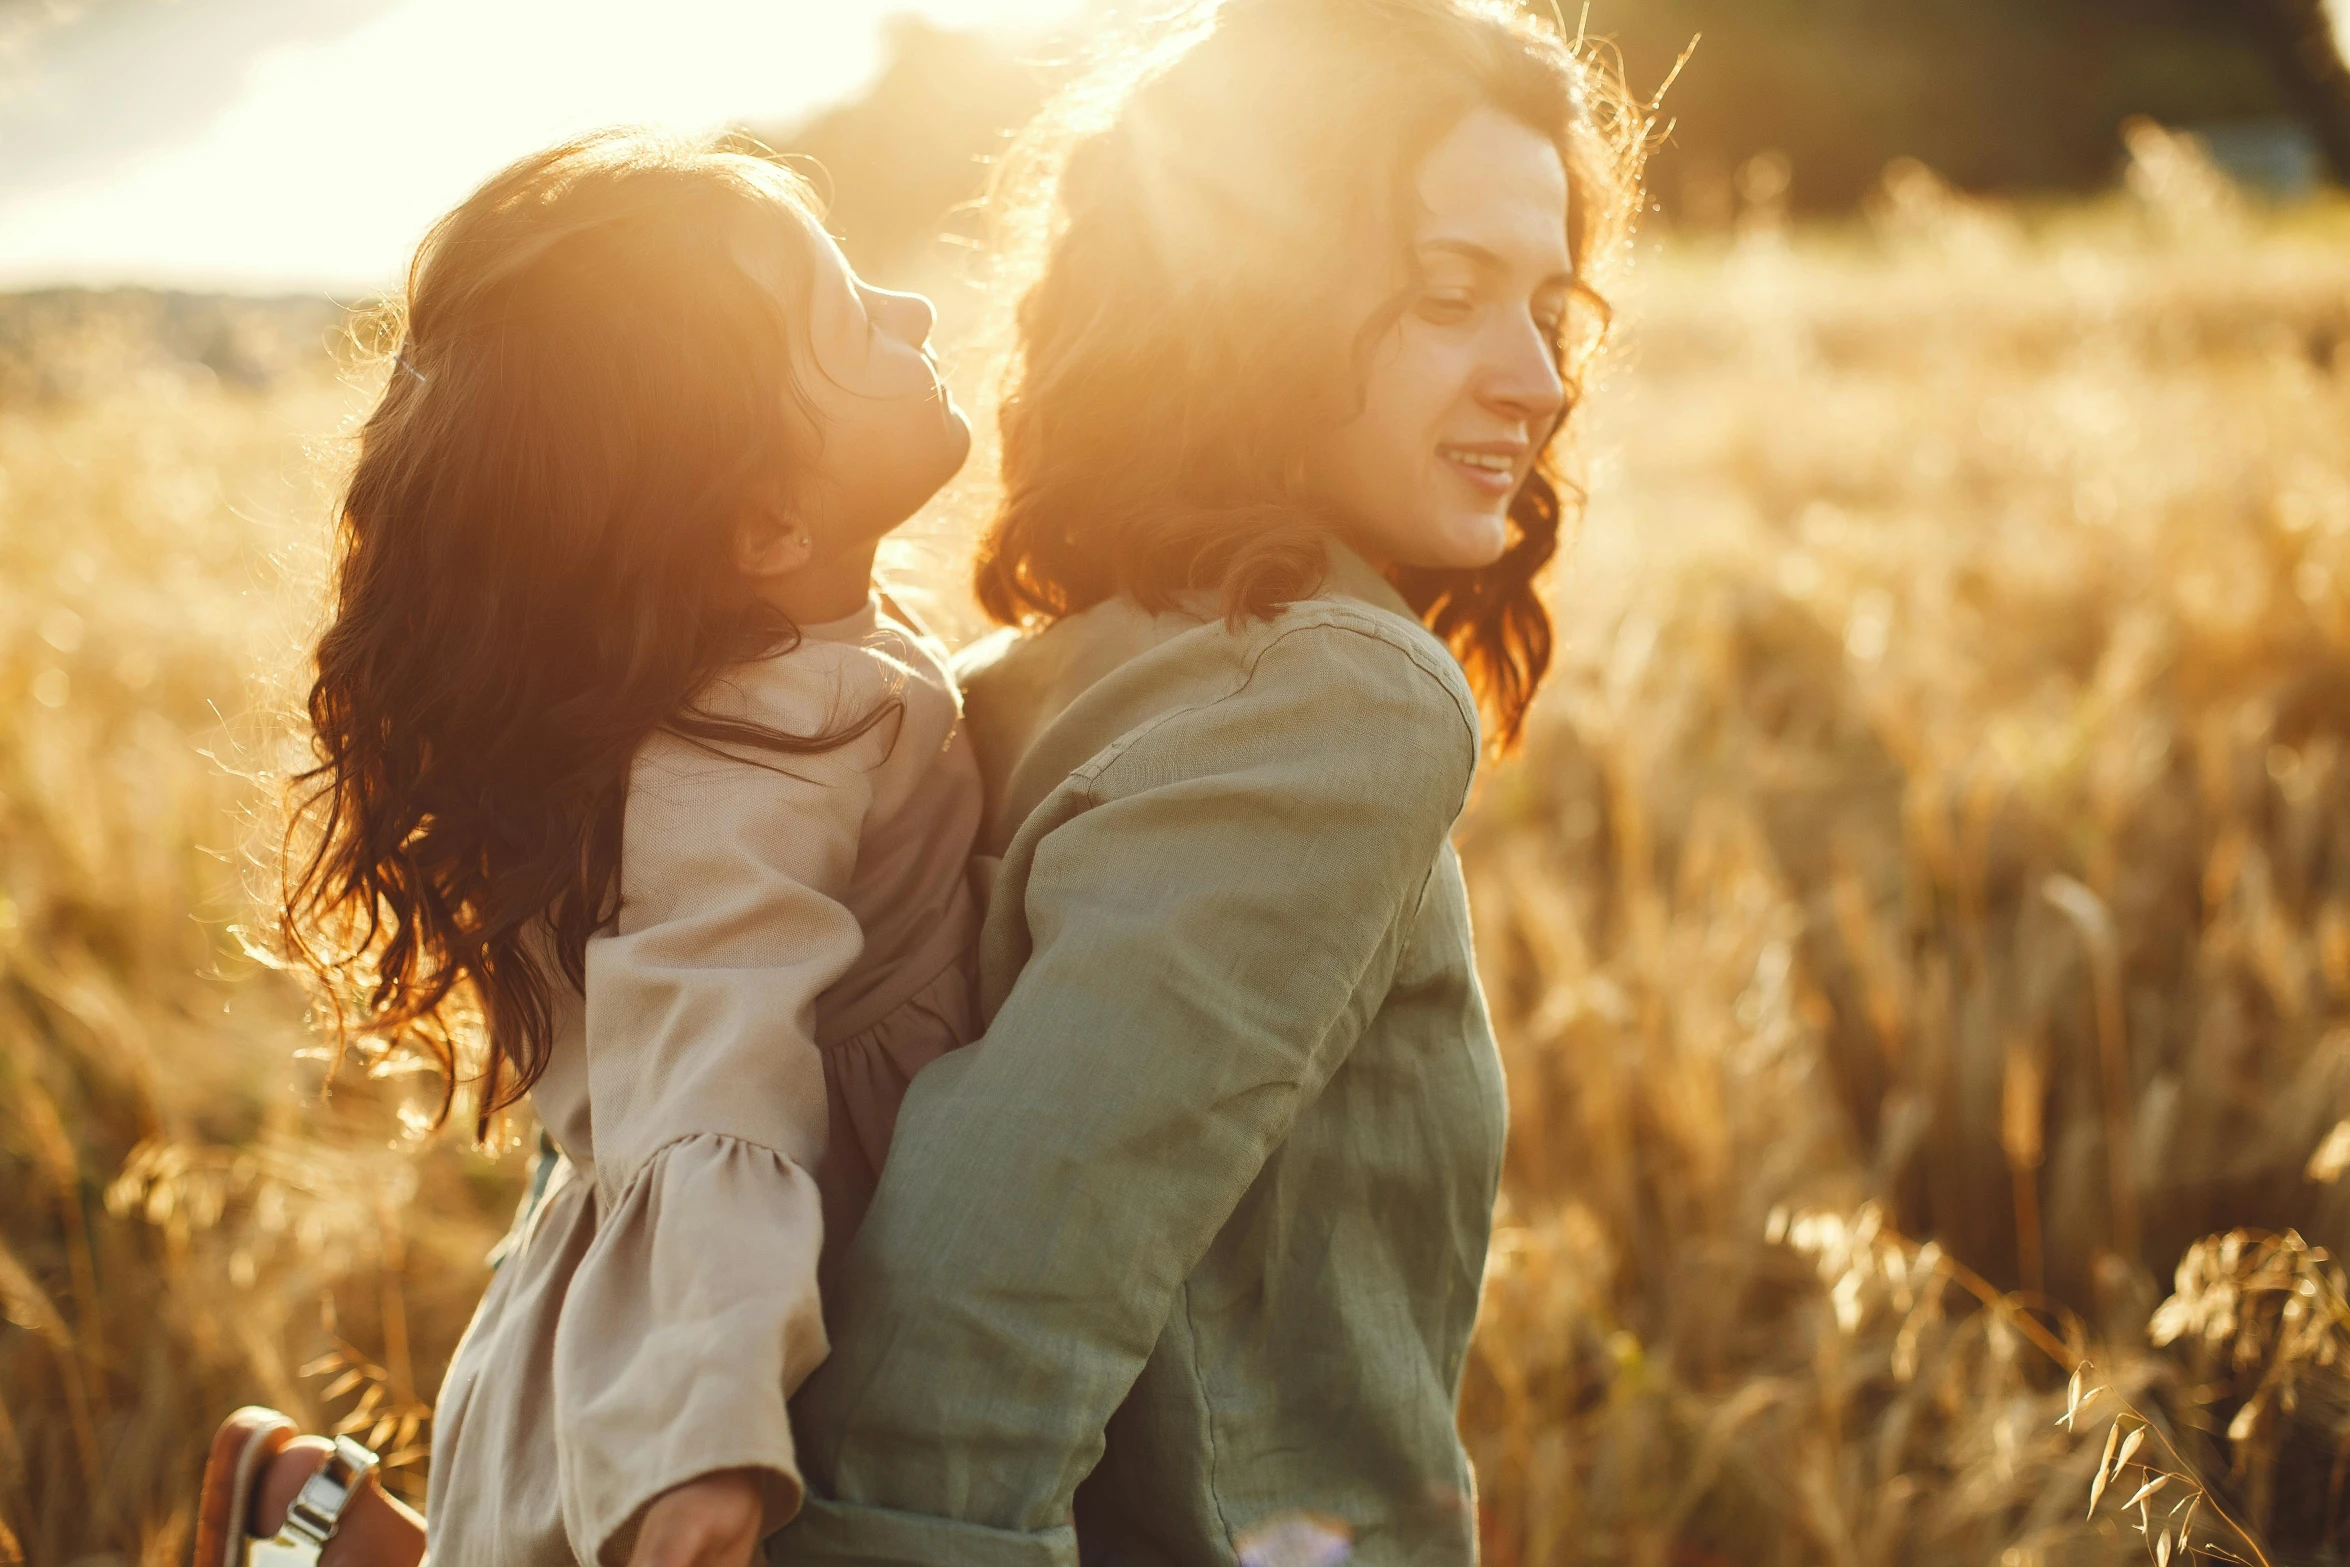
{"type": "Point", "coordinates": [887, 432]}
{"type": "Point", "coordinates": [1464, 389]}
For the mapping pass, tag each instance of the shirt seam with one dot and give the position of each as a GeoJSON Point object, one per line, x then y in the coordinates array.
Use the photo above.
{"type": "Point", "coordinates": [1332, 617]}
{"type": "Point", "coordinates": [1441, 667]}
{"type": "Point", "coordinates": [1207, 1420]}
{"type": "Point", "coordinates": [620, 1191]}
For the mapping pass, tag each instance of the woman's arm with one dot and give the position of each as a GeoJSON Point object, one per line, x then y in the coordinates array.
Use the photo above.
{"type": "Point", "coordinates": [1214, 918]}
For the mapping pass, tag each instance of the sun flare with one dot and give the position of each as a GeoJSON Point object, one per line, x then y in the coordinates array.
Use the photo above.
{"type": "Point", "coordinates": [334, 153]}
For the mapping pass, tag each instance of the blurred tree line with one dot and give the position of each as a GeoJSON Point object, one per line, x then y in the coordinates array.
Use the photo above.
{"type": "Point", "coordinates": [1992, 94]}
{"type": "Point", "coordinates": [2006, 95]}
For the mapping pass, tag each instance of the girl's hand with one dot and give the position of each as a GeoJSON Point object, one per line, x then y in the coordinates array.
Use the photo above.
{"type": "Point", "coordinates": [712, 1521]}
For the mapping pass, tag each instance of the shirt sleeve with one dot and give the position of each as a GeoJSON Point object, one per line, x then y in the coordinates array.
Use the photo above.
{"type": "Point", "coordinates": [693, 1315]}
{"type": "Point", "coordinates": [1214, 923]}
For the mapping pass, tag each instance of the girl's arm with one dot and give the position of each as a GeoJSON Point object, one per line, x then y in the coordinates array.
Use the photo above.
{"type": "Point", "coordinates": [714, 1521]}
{"type": "Point", "coordinates": [1215, 916]}
{"type": "Point", "coordinates": [694, 1314]}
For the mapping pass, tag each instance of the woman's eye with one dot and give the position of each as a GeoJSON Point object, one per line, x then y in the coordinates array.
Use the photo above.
{"type": "Point", "coordinates": [1445, 309]}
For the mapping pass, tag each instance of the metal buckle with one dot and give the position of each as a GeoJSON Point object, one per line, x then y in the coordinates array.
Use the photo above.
{"type": "Point", "coordinates": [316, 1511]}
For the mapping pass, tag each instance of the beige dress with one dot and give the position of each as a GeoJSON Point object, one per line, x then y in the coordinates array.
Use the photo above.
{"type": "Point", "coordinates": [792, 945]}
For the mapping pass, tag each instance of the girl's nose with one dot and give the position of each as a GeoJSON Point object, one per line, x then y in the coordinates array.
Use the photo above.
{"type": "Point", "coordinates": [909, 316]}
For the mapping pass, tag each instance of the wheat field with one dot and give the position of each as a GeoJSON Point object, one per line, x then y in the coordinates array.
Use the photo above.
{"type": "Point", "coordinates": [1918, 925]}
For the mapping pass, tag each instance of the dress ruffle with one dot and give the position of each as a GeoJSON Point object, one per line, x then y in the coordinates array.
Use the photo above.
{"type": "Point", "coordinates": [691, 1309]}
{"type": "Point", "coordinates": [620, 1353]}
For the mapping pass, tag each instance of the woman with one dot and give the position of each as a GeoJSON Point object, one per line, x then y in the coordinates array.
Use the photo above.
{"type": "Point", "coordinates": [1179, 1262]}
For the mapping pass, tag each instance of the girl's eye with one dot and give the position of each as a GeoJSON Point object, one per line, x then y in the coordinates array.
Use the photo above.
{"type": "Point", "coordinates": [1445, 309]}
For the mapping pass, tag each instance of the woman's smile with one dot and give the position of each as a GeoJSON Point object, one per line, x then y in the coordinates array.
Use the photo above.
{"type": "Point", "coordinates": [1491, 468]}
{"type": "Point", "coordinates": [1469, 374]}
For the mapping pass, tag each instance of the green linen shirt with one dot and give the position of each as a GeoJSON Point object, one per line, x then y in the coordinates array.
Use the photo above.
{"type": "Point", "coordinates": [1186, 1250]}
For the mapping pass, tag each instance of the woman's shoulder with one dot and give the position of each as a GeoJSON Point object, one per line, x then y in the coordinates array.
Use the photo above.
{"type": "Point", "coordinates": [1342, 676]}
{"type": "Point", "coordinates": [1353, 644]}
{"type": "Point", "coordinates": [1351, 647]}
{"type": "Point", "coordinates": [1338, 634]}
{"type": "Point", "coordinates": [1333, 675]}
{"type": "Point", "coordinates": [1337, 710]}
{"type": "Point", "coordinates": [1117, 696]}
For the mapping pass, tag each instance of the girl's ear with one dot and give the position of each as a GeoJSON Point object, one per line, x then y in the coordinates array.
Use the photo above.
{"type": "Point", "coordinates": [771, 544]}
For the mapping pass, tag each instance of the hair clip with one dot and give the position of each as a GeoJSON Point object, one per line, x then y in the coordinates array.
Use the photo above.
{"type": "Point", "coordinates": [401, 359]}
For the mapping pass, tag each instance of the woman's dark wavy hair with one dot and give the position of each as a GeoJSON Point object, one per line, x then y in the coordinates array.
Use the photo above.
{"type": "Point", "coordinates": [1173, 224]}
{"type": "Point", "coordinates": [536, 573]}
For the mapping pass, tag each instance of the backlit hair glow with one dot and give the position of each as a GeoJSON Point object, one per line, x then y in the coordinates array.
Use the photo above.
{"type": "Point", "coordinates": [1170, 229]}
{"type": "Point", "coordinates": [536, 572]}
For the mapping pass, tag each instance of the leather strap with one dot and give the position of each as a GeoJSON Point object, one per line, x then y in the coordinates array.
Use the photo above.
{"type": "Point", "coordinates": [316, 1511]}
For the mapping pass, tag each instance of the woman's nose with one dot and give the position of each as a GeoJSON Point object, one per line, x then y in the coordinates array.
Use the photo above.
{"type": "Point", "coordinates": [1524, 380]}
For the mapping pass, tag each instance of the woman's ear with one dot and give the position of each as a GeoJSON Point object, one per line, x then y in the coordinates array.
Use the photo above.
{"type": "Point", "coordinates": [771, 544]}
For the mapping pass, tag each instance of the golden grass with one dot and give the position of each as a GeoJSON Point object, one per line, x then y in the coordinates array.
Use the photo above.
{"type": "Point", "coordinates": [182, 1224]}
{"type": "Point", "coordinates": [1928, 879]}
{"type": "Point", "coordinates": [1939, 823]}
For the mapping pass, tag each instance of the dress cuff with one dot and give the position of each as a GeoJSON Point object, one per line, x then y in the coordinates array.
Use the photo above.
{"type": "Point", "coordinates": [687, 1326]}
{"type": "Point", "coordinates": [846, 1534]}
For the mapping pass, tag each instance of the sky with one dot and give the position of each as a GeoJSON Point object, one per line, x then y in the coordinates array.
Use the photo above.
{"type": "Point", "coordinates": [305, 145]}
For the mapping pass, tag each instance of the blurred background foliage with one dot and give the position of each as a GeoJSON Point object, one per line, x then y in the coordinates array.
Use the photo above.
{"type": "Point", "coordinates": [2016, 97]}
{"type": "Point", "coordinates": [1919, 925]}
{"type": "Point", "coordinates": [2008, 95]}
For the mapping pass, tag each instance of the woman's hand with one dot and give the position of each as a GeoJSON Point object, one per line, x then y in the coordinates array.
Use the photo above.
{"type": "Point", "coordinates": [712, 1521]}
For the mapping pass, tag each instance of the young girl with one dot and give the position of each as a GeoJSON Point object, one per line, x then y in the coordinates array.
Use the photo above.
{"type": "Point", "coordinates": [621, 753]}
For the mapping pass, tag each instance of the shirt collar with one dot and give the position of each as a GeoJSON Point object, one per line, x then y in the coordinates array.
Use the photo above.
{"type": "Point", "coordinates": [853, 628]}
{"type": "Point", "coordinates": [1357, 578]}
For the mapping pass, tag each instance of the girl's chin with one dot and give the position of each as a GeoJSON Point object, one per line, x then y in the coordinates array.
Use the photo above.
{"type": "Point", "coordinates": [955, 442]}
{"type": "Point", "coordinates": [934, 464]}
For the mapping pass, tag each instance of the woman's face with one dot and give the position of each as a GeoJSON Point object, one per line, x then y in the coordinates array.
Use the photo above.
{"type": "Point", "coordinates": [888, 433]}
{"type": "Point", "coordinates": [1465, 387]}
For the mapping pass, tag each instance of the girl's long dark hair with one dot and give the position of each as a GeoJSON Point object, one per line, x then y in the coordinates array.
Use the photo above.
{"type": "Point", "coordinates": [536, 573]}
{"type": "Point", "coordinates": [1174, 224]}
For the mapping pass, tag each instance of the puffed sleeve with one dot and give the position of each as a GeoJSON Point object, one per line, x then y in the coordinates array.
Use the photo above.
{"type": "Point", "coordinates": [1215, 918]}
{"type": "Point", "coordinates": [693, 1316]}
